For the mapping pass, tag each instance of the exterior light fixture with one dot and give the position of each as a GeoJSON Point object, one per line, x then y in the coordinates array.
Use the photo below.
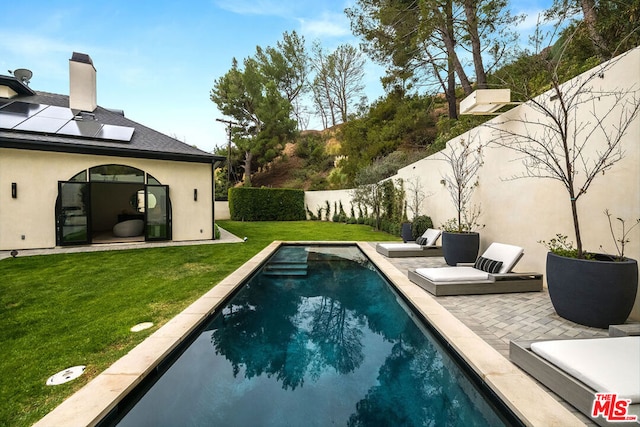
{"type": "Point", "coordinates": [486, 101]}
{"type": "Point", "coordinates": [14, 190]}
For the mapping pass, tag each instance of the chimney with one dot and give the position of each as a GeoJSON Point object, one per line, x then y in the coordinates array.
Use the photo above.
{"type": "Point", "coordinates": [82, 83]}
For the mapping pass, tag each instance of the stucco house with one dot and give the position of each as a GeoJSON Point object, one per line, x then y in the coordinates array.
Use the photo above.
{"type": "Point", "coordinates": [75, 173]}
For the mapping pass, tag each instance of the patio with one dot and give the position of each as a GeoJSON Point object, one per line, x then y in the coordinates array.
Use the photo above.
{"type": "Point", "coordinates": [500, 318]}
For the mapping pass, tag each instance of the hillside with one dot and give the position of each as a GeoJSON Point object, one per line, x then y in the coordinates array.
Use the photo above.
{"type": "Point", "coordinates": [302, 171]}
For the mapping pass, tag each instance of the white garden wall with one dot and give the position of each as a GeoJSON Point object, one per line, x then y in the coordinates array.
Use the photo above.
{"type": "Point", "coordinates": [525, 211]}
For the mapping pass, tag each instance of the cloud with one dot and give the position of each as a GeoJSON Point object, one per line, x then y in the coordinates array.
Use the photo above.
{"type": "Point", "coordinates": [328, 25]}
{"type": "Point", "coordinates": [280, 8]}
{"type": "Point", "coordinates": [533, 17]}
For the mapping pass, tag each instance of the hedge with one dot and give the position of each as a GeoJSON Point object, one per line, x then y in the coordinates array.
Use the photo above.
{"type": "Point", "coordinates": [266, 204]}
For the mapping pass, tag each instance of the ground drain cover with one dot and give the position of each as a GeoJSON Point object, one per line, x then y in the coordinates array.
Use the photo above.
{"type": "Point", "coordinates": [66, 375]}
{"type": "Point", "coordinates": [141, 326]}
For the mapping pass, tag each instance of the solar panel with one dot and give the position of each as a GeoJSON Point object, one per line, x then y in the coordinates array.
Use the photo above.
{"type": "Point", "coordinates": [9, 121]}
{"type": "Point", "coordinates": [118, 133]}
{"type": "Point", "coordinates": [23, 109]}
{"type": "Point", "coordinates": [41, 124]}
{"type": "Point", "coordinates": [49, 119]}
{"type": "Point", "coordinates": [84, 129]}
{"type": "Point", "coordinates": [56, 113]}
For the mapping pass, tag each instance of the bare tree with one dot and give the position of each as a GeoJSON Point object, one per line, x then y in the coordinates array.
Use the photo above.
{"type": "Point", "coordinates": [416, 193]}
{"type": "Point", "coordinates": [465, 159]}
{"type": "Point", "coordinates": [338, 81]}
{"type": "Point", "coordinates": [347, 66]}
{"type": "Point", "coordinates": [579, 136]}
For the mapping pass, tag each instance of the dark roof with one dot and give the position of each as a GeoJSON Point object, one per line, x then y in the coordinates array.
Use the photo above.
{"type": "Point", "coordinates": [145, 142]}
{"type": "Point", "coordinates": [15, 84]}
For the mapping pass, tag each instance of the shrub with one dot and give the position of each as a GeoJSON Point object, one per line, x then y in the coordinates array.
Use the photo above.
{"type": "Point", "coordinates": [420, 225]}
{"type": "Point", "coordinates": [266, 204]}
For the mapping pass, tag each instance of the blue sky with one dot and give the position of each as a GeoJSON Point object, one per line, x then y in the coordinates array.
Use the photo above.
{"type": "Point", "coordinates": [158, 60]}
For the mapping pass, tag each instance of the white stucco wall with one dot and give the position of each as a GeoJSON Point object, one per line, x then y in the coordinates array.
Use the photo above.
{"type": "Point", "coordinates": [528, 210]}
{"type": "Point", "coordinates": [36, 173]}
{"type": "Point", "coordinates": [318, 199]}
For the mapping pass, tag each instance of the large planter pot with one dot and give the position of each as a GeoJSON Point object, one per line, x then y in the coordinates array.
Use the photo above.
{"type": "Point", "coordinates": [597, 293]}
{"type": "Point", "coordinates": [406, 233]}
{"type": "Point", "coordinates": [460, 247]}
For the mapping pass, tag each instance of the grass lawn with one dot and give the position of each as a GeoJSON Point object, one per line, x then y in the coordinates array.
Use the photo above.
{"type": "Point", "coordinates": [58, 311]}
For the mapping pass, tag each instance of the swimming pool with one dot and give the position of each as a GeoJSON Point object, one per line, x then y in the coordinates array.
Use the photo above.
{"type": "Point", "coordinates": [316, 337]}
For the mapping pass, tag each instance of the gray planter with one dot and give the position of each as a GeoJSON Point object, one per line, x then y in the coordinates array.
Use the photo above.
{"type": "Point", "coordinates": [460, 247]}
{"type": "Point", "coordinates": [596, 293]}
{"type": "Point", "coordinates": [407, 236]}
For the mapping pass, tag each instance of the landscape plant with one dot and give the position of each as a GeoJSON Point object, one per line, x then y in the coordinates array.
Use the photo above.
{"type": "Point", "coordinates": [464, 157]}
{"type": "Point", "coordinates": [420, 224]}
{"type": "Point", "coordinates": [621, 240]}
{"type": "Point", "coordinates": [580, 137]}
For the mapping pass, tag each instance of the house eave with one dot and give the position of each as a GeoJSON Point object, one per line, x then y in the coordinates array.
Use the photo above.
{"type": "Point", "coordinates": [107, 151]}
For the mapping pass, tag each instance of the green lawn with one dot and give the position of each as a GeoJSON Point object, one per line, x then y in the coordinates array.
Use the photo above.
{"type": "Point", "coordinates": [58, 311]}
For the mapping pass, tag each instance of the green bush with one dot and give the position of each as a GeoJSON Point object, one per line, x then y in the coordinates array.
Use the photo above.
{"type": "Point", "coordinates": [420, 225]}
{"type": "Point", "coordinates": [266, 204]}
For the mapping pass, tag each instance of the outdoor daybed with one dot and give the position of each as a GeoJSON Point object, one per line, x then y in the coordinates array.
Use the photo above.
{"type": "Point", "coordinates": [425, 245]}
{"type": "Point", "coordinates": [490, 274]}
{"type": "Point", "coordinates": [576, 369]}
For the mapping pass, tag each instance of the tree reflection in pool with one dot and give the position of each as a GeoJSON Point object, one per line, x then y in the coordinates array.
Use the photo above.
{"type": "Point", "coordinates": [329, 346]}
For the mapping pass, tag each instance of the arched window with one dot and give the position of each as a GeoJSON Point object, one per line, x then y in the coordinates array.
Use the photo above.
{"type": "Point", "coordinates": [116, 173]}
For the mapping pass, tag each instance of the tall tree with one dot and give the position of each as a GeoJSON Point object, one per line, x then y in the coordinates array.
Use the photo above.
{"type": "Point", "coordinates": [322, 86]}
{"type": "Point", "coordinates": [423, 39]}
{"type": "Point", "coordinates": [611, 26]}
{"type": "Point", "coordinates": [288, 66]}
{"type": "Point", "coordinates": [347, 66]}
{"type": "Point", "coordinates": [253, 100]}
{"type": "Point", "coordinates": [338, 81]}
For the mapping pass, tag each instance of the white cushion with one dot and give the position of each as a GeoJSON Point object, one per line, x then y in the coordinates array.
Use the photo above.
{"type": "Point", "coordinates": [401, 246]}
{"type": "Point", "coordinates": [607, 365]}
{"type": "Point", "coordinates": [431, 234]}
{"type": "Point", "coordinates": [453, 274]}
{"type": "Point", "coordinates": [508, 254]}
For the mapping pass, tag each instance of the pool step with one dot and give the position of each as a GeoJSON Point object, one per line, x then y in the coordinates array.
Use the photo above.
{"type": "Point", "coordinates": [288, 261]}
{"type": "Point", "coordinates": [289, 270]}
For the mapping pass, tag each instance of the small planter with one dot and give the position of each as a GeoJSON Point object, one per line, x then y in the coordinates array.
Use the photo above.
{"type": "Point", "coordinates": [406, 232]}
{"type": "Point", "coordinates": [460, 247]}
{"type": "Point", "coordinates": [596, 293]}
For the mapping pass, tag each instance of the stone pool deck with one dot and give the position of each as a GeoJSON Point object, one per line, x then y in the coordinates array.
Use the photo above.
{"type": "Point", "coordinates": [479, 327]}
{"type": "Point", "coordinates": [500, 318]}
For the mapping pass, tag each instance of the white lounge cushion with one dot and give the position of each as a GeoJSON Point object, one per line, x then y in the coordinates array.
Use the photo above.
{"type": "Point", "coordinates": [453, 274]}
{"type": "Point", "coordinates": [508, 254]}
{"type": "Point", "coordinates": [401, 246]}
{"type": "Point", "coordinates": [607, 365]}
{"type": "Point", "coordinates": [431, 234]}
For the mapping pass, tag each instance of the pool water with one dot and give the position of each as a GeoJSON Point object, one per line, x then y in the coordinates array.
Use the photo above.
{"type": "Point", "coordinates": [317, 338]}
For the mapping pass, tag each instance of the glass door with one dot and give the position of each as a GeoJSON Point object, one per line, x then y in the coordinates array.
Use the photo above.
{"type": "Point", "coordinates": [157, 212]}
{"type": "Point", "coordinates": [73, 213]}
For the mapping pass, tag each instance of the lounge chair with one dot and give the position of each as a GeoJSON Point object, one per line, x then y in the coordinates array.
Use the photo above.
{"type": "Point", "coordinates": [576, 369]}
{"type": "Point", "coordinates": [490, 274]}
{"type": "Point", "coordinates": [425, 245]}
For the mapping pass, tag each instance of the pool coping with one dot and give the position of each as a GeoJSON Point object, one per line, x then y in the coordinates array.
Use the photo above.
{"type": "Point", "coordinates": [527, 399]}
